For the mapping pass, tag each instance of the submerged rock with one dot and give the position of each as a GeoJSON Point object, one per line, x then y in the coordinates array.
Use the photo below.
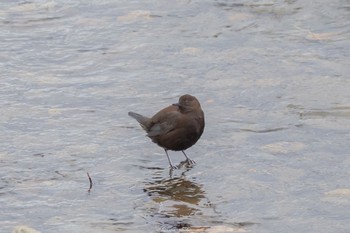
{"type": "Point", "coordinates": [24, 229]}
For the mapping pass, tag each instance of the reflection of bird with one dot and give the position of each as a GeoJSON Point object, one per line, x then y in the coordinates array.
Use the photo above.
{"type": "Point", "coordinates": [181, 201]}
{"type": "Point", "coordinates": [184, 192]}
{"type": "Point", "coordinates": [176, 127]}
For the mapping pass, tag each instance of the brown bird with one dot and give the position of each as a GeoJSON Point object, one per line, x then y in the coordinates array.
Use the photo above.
{"type": "Point", "coordinates": [176, 127]}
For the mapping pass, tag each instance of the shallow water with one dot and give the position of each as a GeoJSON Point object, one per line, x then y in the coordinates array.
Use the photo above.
{"type": "Point", "coordinates": [273, 80]}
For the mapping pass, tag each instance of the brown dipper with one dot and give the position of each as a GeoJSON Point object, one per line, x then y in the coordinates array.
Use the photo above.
{"type": "Point", "coordinates": [176, 127]}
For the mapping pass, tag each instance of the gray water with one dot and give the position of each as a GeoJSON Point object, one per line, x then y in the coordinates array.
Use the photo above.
{"type": "Point", "coordinates": [273, 81]}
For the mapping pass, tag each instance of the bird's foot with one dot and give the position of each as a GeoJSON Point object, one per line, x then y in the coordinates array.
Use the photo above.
{"type": "Point", "coordinates": [187, 163]}
{"type": "Point", "coordinates": [190, 161]}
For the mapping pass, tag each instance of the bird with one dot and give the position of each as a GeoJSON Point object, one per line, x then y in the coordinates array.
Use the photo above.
{"type": "Point", "coordinates": [176, 127]}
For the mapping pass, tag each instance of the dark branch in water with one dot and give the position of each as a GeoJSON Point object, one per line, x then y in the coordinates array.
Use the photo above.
{"type": "Point", "coordinates": [90, 180]}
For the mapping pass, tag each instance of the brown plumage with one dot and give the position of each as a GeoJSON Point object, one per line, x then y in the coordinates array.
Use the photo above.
{"type": "Point", "coordinates": [176, 127]}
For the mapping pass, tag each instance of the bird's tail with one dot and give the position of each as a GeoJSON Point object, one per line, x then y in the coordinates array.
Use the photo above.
{"type": "Point", "coordinates": [144, 121]}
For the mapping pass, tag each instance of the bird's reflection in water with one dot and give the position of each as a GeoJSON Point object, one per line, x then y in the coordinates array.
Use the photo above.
{"type": "Point", "coordinates": [178, 190]}
{"type": "Point", "coordinates": [176, 201]}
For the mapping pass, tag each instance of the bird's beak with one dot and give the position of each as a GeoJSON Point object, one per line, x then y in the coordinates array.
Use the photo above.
{"type": "Point", "coordinates": [177, 104]}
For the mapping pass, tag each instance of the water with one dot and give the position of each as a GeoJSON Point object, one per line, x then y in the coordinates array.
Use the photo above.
{"type": "Point", "coordinates": [273, 80]}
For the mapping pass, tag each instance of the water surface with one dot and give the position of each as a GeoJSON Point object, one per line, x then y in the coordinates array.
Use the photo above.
{"type": "Point", "coordinates": [273, 80]}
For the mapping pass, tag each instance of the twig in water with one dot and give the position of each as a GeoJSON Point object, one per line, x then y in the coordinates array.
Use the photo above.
{"type": "Point", "coordinates": [90, 182]}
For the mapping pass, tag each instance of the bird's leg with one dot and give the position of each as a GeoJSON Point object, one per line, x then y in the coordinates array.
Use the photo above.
{"type": "Point", "coordinates": [188, 160]}
{"type": "Point", "coordinates": [171, 164]}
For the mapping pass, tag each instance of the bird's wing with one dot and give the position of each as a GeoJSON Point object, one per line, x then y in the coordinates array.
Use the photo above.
{"type": "Point", "coordinates": [164, 123]}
